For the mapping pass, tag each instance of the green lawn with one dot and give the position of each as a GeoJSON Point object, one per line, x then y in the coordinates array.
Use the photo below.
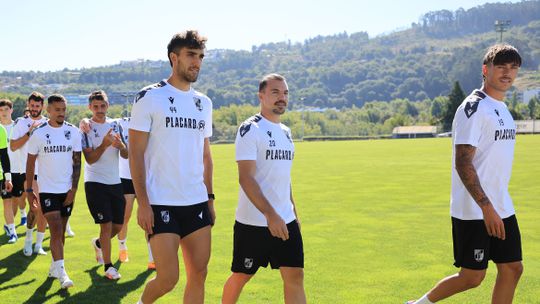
{"type": "Point", "coordinates": [375, 220]}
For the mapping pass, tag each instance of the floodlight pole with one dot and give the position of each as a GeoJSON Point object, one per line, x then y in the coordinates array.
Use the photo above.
{"type": "Point", "coordinates": [502, 26]}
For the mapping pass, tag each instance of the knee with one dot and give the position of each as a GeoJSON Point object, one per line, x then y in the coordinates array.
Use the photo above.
{"type": "Point", "coordinates": [199, 273]}
{"type": "Point", "coordinates": [294, 278]}
{"type": "Point", "coordinates": [240, 278]}
{"type": "Point", "coordinates": [167, 283]}
{"type": "Point", "coordinates": [474, 280]}
{"type": "Point", "coordinates": [514, 270]}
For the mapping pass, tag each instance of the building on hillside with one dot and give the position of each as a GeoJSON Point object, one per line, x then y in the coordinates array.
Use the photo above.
{"type": "Point", "coordinates": [414, 132]}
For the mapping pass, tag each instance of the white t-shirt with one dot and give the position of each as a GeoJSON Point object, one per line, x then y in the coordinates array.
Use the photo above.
{"type": "Point", "coordinates": [124, 162]}
{"type": "Point", "coordinates": [178, 123]}
{"type": "Point", "coordinates": [105, 169]}
{"type": "Point", "coordinates": [486, 124]}
{"type": "Point", "coordinates": [271, 146]}
{"type": "Point", "coordinates": [20, 127]}
{"type": "Point", "coordinates": [14, 160]}
{"type": "Point", "coordinates": [54, 148]}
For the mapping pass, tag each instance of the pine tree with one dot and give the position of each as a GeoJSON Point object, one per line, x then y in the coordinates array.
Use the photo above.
{"type": "Point", "coordinates": [455, 98]}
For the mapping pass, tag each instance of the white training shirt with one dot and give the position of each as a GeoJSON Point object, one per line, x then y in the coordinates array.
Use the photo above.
{"type": "Point", "coordinates": [124, 162]}
{"type": "Point", "coordinates": [20, 127]}
{"type": "Point", "coordinates": [14, 160]}
{"type": "Point", "coordinates": [486, 124]}
{"type": "Point", "coordinates": [105, 169]}
{"type": "Point", "coordinates": [54, 148]}
{"type": "Point", "coordinates": [178, 123]}
{"type": "Point", "coordinates": [271, 146]}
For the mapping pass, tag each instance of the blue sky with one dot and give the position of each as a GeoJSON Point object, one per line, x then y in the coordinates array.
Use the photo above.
{"type": "Point", "coordinates": [50, 35]}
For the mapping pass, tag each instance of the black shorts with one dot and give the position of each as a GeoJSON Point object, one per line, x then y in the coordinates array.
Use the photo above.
{"type": "Point", "coordinates": [105, 202]}
{"type": "Point", "coordinates": [127, 186]}
{"type": "Point", "coordinates": [17, 179]}
{"type": "Point", "coordinates": [181, 220]}
{"type": "Point", "coordinates": [473, 247]}
{"type": "Point", "coordinates": [55, 202]}
{"type": "Point", "coordinates": [255, 247]}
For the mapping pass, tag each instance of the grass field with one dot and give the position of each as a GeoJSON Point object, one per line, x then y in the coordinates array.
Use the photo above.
{"type": "Point", "coordinates": [375, 220]}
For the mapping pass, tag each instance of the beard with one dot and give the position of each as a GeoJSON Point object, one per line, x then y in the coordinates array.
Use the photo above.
{"type": "Point", "coordinates": [35, 114]}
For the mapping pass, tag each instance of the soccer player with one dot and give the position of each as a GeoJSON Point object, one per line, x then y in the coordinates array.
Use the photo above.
{"type": "Point", "coordinates": [20, 134]}
{"type": "Point", "coordinates": [101, 148]}
{"type": "Point", "coordinates": [10, 206]}
{"type": "Point", "coordinates": [57, 146]}
{"type": "Point", "coordinates": [171, 167]}
{"type": "Point", "coordinates": [267, 229]}
{"type": "Point", "coordinates": [484, 225]}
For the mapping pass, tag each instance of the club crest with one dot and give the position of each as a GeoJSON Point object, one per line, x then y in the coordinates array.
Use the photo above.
{"type": "Point", "coordinates": [67, 134]}
{"type": "Point", "coordinates": [479, 255]}
{"type": "Point", "coordinates": [47, 203]}
{"type": "Point", "coordinates": [198, 103]}
{"type": "Point", "coordinates": [248, 263]}
{"type": "Point", "coordinates": [165, 216]}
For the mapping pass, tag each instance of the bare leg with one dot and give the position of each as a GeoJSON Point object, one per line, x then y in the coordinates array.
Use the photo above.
{"type": "Point", "coordinates": [449, 286]}
{"type": "Point", "coordinates": [293, 285]}
{"type": "Point", "coordinates": [508, 275]}
{"type": "Point", "coordinates": [130, 198]}
{"type": "Point", "coordinates": [56, 230]}
{"type": "Point", "coordinates": [233, 287]}
{"type": "Point", "coordinates": [196, 252]}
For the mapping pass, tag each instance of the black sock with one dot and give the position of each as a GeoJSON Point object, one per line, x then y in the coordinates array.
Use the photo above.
{"type": "Point", "coordinates": [108, 265]}
{"type": "Point", "coordinates": [98, 244]}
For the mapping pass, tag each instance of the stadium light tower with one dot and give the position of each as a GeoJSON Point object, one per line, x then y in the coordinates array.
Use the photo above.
{"type": "Point", "coordinates": [502, 26]}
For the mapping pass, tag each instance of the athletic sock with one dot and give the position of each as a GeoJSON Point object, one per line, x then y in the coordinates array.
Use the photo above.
{"type": "Point", "coordinates": [39, 238]}
{"type": "Point", "coordinates": [29, 234]}
{"type": "Point", "coordinates": [140, 302]}
{"type": "Point", "coordinates": [150, 256]}
{"type": "Point", "coordinates": [11, 228]}
{"type": "Point", "coordinates": [23, 212]}
{"type": "Point", "coordinates": [108, 265]}
{"type": "Point", "coordinates": [122, 244]}
{"type": "Point", "coordinates": [423, 300]}
{"type": "Point", "coordinates": [98, 244]}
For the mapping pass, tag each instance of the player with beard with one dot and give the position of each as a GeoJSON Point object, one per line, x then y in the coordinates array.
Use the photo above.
{"type": "Point", "coordinates": [171, 168]}
{"type": "Point", "coordinates": [21, 133]}
{"type": "Point", "coordinates": [57, 146]}
{"type": "Point", "coordinates": [267, 229]}
{"type": "Point", "coordinates": [8, 193]}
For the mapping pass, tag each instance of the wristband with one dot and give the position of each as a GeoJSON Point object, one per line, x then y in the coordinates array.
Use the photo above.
{"type": "Point", "coordinates": [7, 176]}
{"type": "Point", "coordinates": [211, 196]}
{"type": "Point", "coordinates": [29, 190]}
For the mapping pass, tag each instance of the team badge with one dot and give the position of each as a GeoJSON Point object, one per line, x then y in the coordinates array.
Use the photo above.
{"type": "Point", "coordinates": [67, 134]}
{"type": "Point", "coordinates": [47, 202]}
{"type": "Point", "coordinates": [479, 255]}
{"type": "Point", "coordinates": [165, 216]}
{"type": "Point", "coordinates": [96, 133]}
{"type": "Point", "coordinates": [248, 263]}
{"type": "Point", "coordinates": [100, 216]}
{"type": "Point", "coordinates": [201, 125]}
{"type": "Point", "coordinates": [198, 104]}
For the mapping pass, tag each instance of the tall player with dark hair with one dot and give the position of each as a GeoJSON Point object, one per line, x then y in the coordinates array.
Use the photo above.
{"type": "Point", "coordinates": [171, 167]}
{"type": "Point", "coordinates": [484, 224]}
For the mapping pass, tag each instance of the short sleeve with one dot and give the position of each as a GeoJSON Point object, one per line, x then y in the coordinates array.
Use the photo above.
{"type": "Point", "coordinates": [246, 142]}
{"type": "Point", "coordinates": [208, 124]}
{"type": "Point", "coordinates": [3, 138]}
{"type": "Point", "coordinates": [77, 141]}
{"type": "Point", "coordinates": [467, 127]}
{"type": "Point", "coordinates": [17, 131]}
{"type": "Point", "coordinates": [33, 145]}
{"type": "Point", "coordinates": [141, 118]}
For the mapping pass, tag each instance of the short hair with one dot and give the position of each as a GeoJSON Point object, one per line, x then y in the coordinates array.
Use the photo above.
{"type": "Point", "coordinates": [190, 39]}
{"type": "Point", "coordinates": [56, 98]}
{"type": "Point", "coordinates": [6, 102]}
{"type": "Point", "coordinates": [266, 78]}
{"type": "Point", "coordinates": [502, 54]}
{"type": "Point", "coordinates": [98, 95]}
{"type": "Point", "coordinates": [36, 96]}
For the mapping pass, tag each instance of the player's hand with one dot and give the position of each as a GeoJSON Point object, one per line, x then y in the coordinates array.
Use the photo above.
{"type": "Point", "coordinates": [277, 226]}
{"type": "Point", "coordinates": [212, 211]}
{"type": "Point", "coordinates": [493, 222]}
{"type": "Point", "coordinates": [8, 185]}
{"type": "Point", "coordinates": [117, 142]}
{"type": "Point", "coordinates": [70, 197]}
{"type": "Point", "coordinates": [32, 201]}
{"type": "Point", "coordinates": [84, 125]}
{"type": "Point", "coordinates": [145, 218]}
{"type": "Point", "coordinates": [108, 139]}
{"type": "Point", "coordinates": [33, 126]}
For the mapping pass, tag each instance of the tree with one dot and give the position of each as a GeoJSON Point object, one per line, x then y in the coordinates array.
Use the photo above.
{"type": "Point", "coordinates": [533, 106]}
{"type": "Point", "coordinates": [455, 98]}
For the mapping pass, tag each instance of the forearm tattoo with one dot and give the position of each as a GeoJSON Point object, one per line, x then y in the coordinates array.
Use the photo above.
{"type": "Point", "coordinates": [76, 169]}
{"type": "Point", "coordinates": [468, 175]}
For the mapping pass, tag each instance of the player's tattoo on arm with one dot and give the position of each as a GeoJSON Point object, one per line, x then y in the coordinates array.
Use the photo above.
{"type": "Point", "coordinates": [76, 169]}
{"type": "Point", "coordinates": [468, 175]}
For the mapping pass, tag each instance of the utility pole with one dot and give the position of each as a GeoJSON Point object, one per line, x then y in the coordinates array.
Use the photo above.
{"type": "Point", "coordinates": [502, 26]}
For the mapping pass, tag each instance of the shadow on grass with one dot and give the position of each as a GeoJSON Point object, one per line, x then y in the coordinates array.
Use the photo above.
{"type": "Point", "coordinates": [104, 290]}
{"type": "Point", "coordinates": [15, 265]}
{"type": "Point", "coordinates": [40, 295]}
